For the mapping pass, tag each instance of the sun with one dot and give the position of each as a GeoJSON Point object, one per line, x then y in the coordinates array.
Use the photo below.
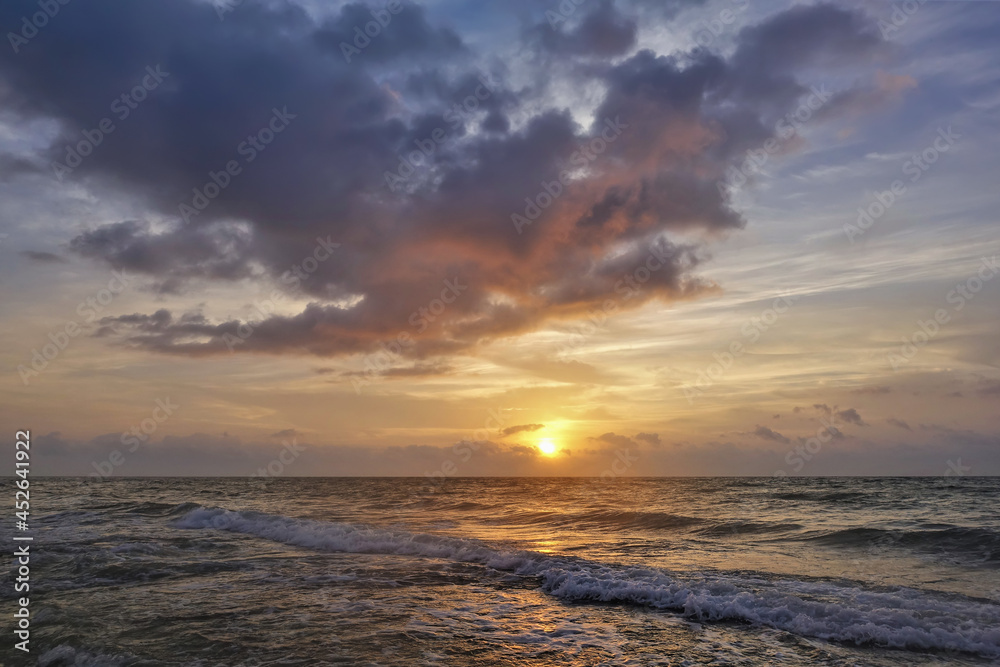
{"type": "Point", "coordinates": [546, 446]}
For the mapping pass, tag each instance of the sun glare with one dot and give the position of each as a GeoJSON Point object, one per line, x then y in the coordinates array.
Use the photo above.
{"type": "Point", "coordinates": [546, 446]}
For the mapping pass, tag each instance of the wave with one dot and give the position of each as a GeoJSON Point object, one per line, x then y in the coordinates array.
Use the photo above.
{"type": "Point", "coordinates": [744, 527]}
{"type": "Point", "coordinates": [649, 520]}
{"type": "Point", "coordinates": [162, 509]}
{"type": "Point", "coordinates": [977, 544]}
{"type": "Point", "coordinates": [833, 496]}
{"type": "Point", "coordinates": [902, 618]}
{"type": "Point", "coordinates": [70, 515]}
{"type": "Point", "coordinates": [466, 506]}
{"type": "Point", "coordinates": [613, 519]}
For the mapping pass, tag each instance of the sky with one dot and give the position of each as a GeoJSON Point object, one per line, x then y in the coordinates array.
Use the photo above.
{"type": "Point", "coordinates": [596, 237]}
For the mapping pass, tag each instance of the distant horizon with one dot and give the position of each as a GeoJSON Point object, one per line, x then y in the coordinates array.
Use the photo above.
{"type": "Point", "coordinates": [291, 477]}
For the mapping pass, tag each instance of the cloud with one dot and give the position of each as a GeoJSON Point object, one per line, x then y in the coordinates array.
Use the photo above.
{"type": "Point", "coordinates": [521, 429]}
{"type": "Point", "coordinates": [602, 32]}
{"type": "Point", "coordinates": [872, 390]}
{"type": "Point", "coordinates": [615, 440]}
{"type": "Point", "coordinates": [415, 370]}
{"type": "Point", "coordinates": [571, 370]}
{"type": "Point", "coordinates": [851, 416]}
{"type": "Point", "coordinates": [990, 389]}
{"type": "Point", "coordinates": [652, 439]}
{"type": "Point", "coordinates": [217, 251]}
{"type": "Point", "coordinates": [408, 35]}
{"type": "Point", "coordinates": [899, 423]}
{"type": "Point", "coordinates": [764, 433]}
{"type": "Point", "coordinates": [43, 257]}
{"type": "Point", "coordinates": [200, 454]}
{"type": "Point", "coordinates": [809, 36]}
{"type": "Point", "coordinates": [612, 198]}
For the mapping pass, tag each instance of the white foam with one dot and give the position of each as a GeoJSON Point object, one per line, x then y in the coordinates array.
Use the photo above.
{"type": "Point", "coordinates": [902, 618]}
{"type": "Point", "coordinates": [357, 539]}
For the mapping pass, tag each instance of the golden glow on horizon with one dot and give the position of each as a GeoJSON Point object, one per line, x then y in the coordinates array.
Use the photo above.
{"type": "Point", "coordinates": [547, 447]}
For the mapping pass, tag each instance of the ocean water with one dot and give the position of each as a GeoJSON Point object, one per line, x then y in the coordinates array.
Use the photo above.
{"type": "Point", "coordinates": [714, 571]}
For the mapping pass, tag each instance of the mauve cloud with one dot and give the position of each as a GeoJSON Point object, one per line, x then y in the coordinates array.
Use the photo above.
{"type": "Point", "coordinates": [618, 211]}
{"type": "Point", "coordinates": [522, 428]}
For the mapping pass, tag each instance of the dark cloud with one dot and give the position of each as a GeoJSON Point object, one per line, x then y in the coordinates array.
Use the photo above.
{"type": "Point", "coordinates": [851, 416]}
{"type": "Point", "coordinates": [521, 429]}
{"type": "Point", "coordinates": [835, 434]}
{"type": "Point", "coordinates": [661, 9]}
{"type": "Point", "coordinates": [217, 251]}
{"type": "Point", "coordinates": [989, 389]}
{"type": "Point", "coordinates": [615, 440]}
{"type": "Point", "coordinates": [602, 32]}
{"type": "Point", "coordinates": [899, 423]}
{"type": "Point", "coordinates": [43, 257]}
{"type": "Point", "coordinates": [420, 370]}
{"type": "Point", "coordinates": [55, 445]}
{"type": "Point", "coordinates": [406, 34]}
{"type": "Point", "coordinates": [873, 390]}
{"type": "Point", "coordinates": [415, 370]}
{"type": "Point", "coordinates": [764, 433]}
{"type": "Point", "coordinates": [665, 130]}
{"type": "Point", "coordinates": [285, 433]}
{"type": "Point", "coordinates": [809, 35]}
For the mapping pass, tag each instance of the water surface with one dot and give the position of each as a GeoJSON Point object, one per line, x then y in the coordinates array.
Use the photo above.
{"type": "Point", "coordinates": [515, 572]}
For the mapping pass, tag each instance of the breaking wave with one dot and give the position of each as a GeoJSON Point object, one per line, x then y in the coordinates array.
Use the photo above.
{"type": "Point", "coordinates": [902, 618]}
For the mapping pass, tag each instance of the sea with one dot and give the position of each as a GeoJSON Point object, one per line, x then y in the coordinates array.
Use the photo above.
{"type": "Point", "coordinates": [510, 571]}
